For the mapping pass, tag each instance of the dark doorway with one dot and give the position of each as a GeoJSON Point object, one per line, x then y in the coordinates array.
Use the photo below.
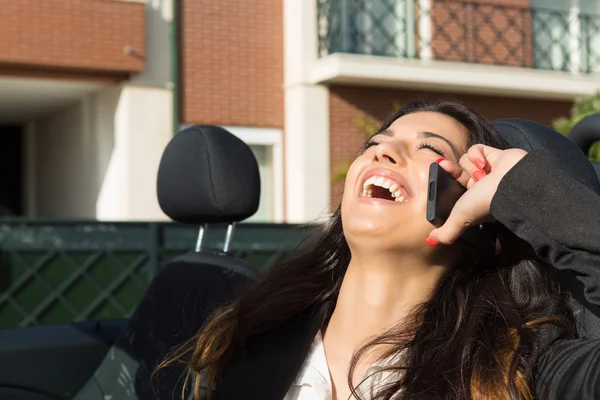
{"type": "Point", "coordinates": [11, 170]}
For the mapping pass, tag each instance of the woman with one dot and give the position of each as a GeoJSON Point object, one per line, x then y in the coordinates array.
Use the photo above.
{"type": "Point", "coordinates": [376, 308]}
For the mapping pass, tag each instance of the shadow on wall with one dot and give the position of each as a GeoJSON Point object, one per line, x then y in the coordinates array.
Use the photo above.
{"type": "Point", "coordinates": [71, 150]}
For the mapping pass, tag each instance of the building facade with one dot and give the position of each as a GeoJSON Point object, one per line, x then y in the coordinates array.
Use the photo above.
{"type": "Point", "coordinates": [94, 89]}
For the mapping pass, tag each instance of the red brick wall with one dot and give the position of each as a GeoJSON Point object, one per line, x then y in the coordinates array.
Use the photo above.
{"type": "Point", "coordinates": [482, 31]}
{"type": "Point", "coordinates": [72, 34]}
{"type": "Point", "coordinates": [348, 103]}
{"type": "Point", "coordinates": [233, 62]}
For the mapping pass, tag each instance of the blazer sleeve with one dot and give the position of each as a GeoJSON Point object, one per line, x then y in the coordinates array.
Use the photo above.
{"type": "Point", "coordinates": [560, 218]}
{"type": "Point", "coordinates": [557, 215]}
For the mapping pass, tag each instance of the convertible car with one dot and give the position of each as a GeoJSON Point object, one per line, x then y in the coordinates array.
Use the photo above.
{"type": "Point", "coordinates": [206, 176]}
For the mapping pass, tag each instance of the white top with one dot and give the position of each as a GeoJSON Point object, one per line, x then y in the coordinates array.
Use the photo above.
{"type": "Point", "coordinates": [313, 381]}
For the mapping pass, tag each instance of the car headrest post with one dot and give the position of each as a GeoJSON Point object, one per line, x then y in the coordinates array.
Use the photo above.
{"type": "Point", "coordinates": [228, 237]}
{"type": "Point", "coordinates": [200, 239]}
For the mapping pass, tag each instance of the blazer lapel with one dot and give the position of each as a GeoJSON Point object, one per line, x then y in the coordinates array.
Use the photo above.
{"type": "Point", "coordinates": [266, 366]}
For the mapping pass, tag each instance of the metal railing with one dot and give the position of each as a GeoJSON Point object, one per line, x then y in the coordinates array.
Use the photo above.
{"type": "Point", "coordinates": [56, 272]}
{"type": "Point", "coordinates": [462, 31]}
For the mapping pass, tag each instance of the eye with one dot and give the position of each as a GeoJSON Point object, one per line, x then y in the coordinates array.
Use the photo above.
{"type": "Point", "coordinates": [432, 148]}
{"type": "Point", "coordinates": [370, 143]}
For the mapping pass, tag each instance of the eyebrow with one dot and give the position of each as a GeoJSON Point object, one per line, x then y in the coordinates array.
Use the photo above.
{"type": "Point", "coordinates": [426, 134]}
{"type": "Point", "coordinates": [436, 136]}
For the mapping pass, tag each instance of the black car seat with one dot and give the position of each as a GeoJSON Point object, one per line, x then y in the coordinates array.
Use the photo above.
{"type": "Point", "coordinates": [529, 135]}
{"type": "Point", "coordinates": [206, 175]}
{"type": "Point", "coordinates": [585, 133]}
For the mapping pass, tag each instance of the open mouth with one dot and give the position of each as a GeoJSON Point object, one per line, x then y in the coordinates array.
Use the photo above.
{"type": "Point", "coordinates": [379, 187]}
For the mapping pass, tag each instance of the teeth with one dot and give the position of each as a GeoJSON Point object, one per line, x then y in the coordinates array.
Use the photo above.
{"type": "Point", "coordinates": [369, 181]}
{"type": "Point", "coordinates": [385, 183]}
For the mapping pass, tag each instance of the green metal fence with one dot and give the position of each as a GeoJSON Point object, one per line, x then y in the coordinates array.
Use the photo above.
{"type": "Point", "coordinates": [56, 272]}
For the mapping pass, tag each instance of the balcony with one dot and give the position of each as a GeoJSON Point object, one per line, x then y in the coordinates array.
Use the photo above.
{"type": "Point", "coordinates": [468, 38]}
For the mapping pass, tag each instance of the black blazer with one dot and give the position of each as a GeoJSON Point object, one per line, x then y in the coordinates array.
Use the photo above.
{"type": "Point", "coordinates": [267, 365]}
{"type": "Point", "coordinates": [558, 216]}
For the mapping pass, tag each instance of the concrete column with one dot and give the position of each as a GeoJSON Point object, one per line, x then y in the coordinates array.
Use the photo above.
{"type": "Point", "coordinates": [142, 128]}
{"type": "Point", "coordinates": [307, 160]}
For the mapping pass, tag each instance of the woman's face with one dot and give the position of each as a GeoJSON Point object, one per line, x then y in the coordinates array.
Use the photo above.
{"type": "Point", "coordinates": [385, 193]}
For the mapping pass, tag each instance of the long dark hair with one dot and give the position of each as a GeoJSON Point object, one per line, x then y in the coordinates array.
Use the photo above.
{"type": "Point", "coordinates": [477, 337]}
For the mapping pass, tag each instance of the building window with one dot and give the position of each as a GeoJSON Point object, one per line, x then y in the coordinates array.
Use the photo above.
{"type": "Point", "coordinates": [373, 27]}
{"type": "Point", "coordinates": [565, 34]}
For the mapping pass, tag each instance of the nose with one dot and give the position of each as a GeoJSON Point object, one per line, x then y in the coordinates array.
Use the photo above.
{"type": "Point", "coordinates": [387, 152]}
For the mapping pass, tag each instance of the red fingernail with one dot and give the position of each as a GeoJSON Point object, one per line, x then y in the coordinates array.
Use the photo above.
{"type": "Point", "coordinates": [479, 163]}
{"type": "Point", "coordinates": [439, 160]}
{"type": "Point", "coordinates": [478, 174]}
{"type": "Point", "coordinates": [431, 241]}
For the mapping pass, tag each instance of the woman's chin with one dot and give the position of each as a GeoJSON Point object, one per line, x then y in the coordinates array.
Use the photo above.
{"type": "Point", "coordinates": [385, 233]}
{"type": "Point", "coordinates": [362, 225]}
{"type": "Point", "coordinates": [382, 232]}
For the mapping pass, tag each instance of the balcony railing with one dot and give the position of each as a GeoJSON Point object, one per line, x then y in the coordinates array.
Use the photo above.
{"type": "Point", "coordinates": [462, 31]}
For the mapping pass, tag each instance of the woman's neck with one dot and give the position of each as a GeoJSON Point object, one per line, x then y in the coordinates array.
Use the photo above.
{"type": "Point", "coordinates": [375, 296]}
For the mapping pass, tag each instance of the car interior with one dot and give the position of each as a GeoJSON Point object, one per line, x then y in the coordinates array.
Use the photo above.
{"type": "Point", "coordinates": [206, 176]}
{"type": "Point", "coordinates": [94, 359]}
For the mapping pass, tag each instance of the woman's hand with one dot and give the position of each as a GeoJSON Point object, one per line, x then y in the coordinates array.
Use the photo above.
{"type": "Point", "coordinates": [480, 170]}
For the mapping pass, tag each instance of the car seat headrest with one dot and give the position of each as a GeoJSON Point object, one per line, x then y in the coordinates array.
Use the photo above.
{"type": "Point", "coordinates": [208, 175]}
{"type": "Point", "coordinates": [585, 133]}
{"type": "Point", "coordinates": [529, 136]}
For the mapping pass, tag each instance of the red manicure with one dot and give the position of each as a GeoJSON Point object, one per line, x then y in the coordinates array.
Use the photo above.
{"type": "Point", "coordinates": [439, 160]}
{"type": "Point", "coordinates": [478, 174]}
{"type": "Point", "coordinates": [431, 241]}
{"type": "Point", "coordinates": [479, 163]}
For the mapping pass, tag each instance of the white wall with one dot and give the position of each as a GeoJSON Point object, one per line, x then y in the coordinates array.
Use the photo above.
{"type": "Point", "coordinates": [143, 127]}
{"type": "Point", "coordinates": [99, 157]}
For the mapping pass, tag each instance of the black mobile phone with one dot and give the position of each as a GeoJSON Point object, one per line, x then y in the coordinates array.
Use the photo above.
{"type": "Point", "coordinates": [442, 194]}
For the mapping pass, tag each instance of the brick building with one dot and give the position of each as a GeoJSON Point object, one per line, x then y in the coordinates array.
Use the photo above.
{"type": "Point", "coordinates": [90, 90]}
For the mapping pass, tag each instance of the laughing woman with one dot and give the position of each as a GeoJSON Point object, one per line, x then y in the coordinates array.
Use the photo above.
{"type": "Point", "coordinates": [384, 306]}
